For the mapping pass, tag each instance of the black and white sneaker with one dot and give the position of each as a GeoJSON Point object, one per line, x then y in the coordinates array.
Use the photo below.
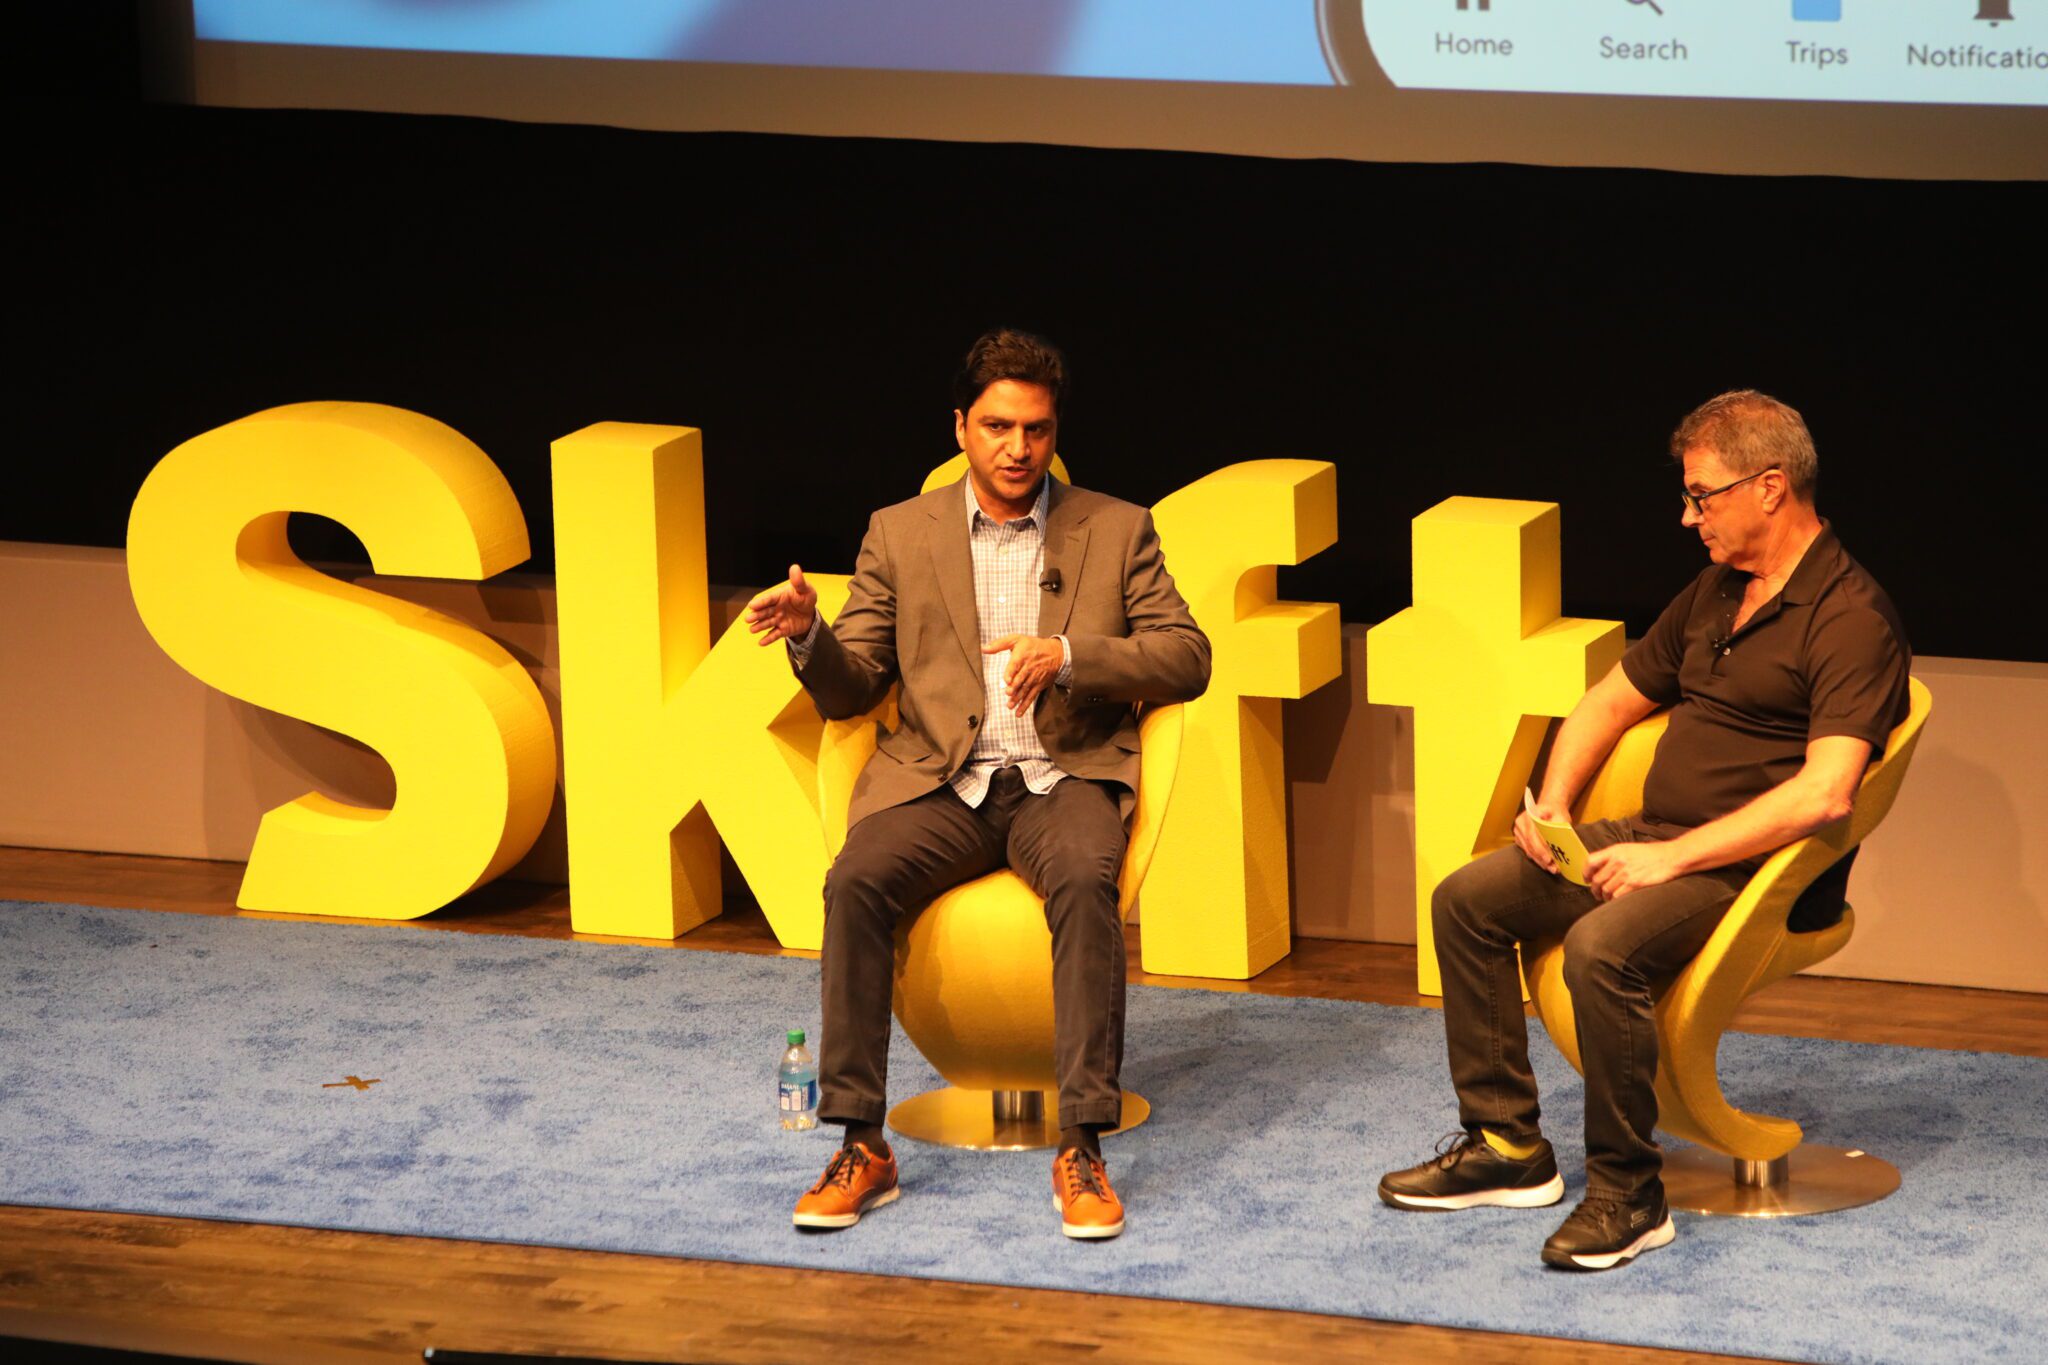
{"type": "Point", "coordinates": [1602, 1232]}
{"type": "Point", "coordinates": [1466, 1173]}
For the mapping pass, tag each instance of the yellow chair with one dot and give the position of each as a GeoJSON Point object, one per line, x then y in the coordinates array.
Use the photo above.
{"type": "Point", "coordinates": [1757, 943]}
{"type": "Point", "coordinates": [973, 984]}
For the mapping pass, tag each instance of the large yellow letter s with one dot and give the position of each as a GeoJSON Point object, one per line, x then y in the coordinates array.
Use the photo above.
{"type": "Point", "coordinates": [460, 722]}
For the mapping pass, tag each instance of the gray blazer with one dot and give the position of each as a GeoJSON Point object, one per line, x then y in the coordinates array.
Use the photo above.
{"type": "Point", "coordinates": [910, 617]}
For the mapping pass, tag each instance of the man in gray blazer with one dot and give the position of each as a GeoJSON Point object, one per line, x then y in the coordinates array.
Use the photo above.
{"type": "Point", "coordinates": [1023, 619]}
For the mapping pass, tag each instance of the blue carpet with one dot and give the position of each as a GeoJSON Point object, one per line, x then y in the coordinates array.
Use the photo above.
{"type": "Point", "coordinates": [620, 1097]}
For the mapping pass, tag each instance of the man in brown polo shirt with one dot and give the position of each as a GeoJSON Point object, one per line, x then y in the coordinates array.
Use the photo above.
{"type": "Point", "coordinates": [1785, 668]}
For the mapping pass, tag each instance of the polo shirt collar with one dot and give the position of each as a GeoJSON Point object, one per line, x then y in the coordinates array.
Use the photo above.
{"type": "Point", "coordinates": [1816, 568]}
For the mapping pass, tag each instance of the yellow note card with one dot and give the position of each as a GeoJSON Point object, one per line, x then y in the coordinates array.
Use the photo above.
{"type": "Point", "coordinates": [1563, 841]}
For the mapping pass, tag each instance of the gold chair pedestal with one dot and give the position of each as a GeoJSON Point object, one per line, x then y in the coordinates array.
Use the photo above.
{"type": "Point", "coordinates": [1813, 1179]}
{"type": "Point", "coordinates": [994, 1120]}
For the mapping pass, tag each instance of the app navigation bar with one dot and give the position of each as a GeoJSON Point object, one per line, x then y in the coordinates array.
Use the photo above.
{"type": "Point", "coordinates": [1880, 51]}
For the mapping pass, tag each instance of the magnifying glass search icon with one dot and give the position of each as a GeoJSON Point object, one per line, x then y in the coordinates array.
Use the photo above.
{"type": "Point", "coordinates": [1652, 4]}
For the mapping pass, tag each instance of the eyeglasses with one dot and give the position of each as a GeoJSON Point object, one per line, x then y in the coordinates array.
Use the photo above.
{"type": "Point", "coordinates": [1696, 503]}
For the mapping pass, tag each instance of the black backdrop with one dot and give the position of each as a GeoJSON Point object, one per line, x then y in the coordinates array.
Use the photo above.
{"type": "Point", "coordinates": [1433, 330]}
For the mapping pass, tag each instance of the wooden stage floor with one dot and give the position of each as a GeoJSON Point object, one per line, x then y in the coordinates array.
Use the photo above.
{"type": "Point", "coordinates": [252, 1292]}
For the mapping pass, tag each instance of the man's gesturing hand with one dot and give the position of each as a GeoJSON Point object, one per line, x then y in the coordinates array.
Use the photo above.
{"type": "Point", "coordinates": [1618, 869]}
{"type": "Point", "coordinates": [785, 611]}
{"type": "Point", "coordinates": [1034, 663]}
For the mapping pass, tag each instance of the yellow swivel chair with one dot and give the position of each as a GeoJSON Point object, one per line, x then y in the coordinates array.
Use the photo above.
{"type": "Point", "coordinates": [1762, 939]}
{"type": "Point", "coordinates": [973, 982]}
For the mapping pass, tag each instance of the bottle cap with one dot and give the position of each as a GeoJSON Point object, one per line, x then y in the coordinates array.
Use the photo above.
{"type": "Point", "coordinates": [796, 1037]}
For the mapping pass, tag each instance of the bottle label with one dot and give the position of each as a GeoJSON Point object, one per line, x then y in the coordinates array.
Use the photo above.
{"type": "Point", "coordinates": [797, 1099]}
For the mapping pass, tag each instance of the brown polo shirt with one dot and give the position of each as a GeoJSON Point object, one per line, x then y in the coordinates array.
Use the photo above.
{"type": "Point", "coordinates": [1826, 656]}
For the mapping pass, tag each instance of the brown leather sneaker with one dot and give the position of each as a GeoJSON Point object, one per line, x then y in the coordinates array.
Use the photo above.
{"type": "Point", "coordinates": [856, 1181]}
{"type": "Point", "coordinates": [1088, 1207]}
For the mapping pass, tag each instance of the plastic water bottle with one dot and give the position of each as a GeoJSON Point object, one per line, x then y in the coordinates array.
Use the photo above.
{"type": "Point", "coordinates": [796, 1100]}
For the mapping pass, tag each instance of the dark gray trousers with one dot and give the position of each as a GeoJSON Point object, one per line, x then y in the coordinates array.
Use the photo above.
{"type": "Point", "coordinates": [1617, 956]}
{"type": "Point", "coordinates": [1067, 845]}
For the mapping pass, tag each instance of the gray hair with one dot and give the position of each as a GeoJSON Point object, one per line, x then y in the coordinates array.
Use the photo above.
{"type": "Point", "coordinates": [1751, 432]}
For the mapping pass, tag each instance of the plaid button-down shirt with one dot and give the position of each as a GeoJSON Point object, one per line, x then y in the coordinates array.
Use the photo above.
{"type": "Point", "coordinates": [1009, 560]}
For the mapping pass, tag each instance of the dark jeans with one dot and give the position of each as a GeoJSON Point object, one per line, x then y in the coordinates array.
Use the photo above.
{"type": "Point", "coordinates": [1617, 956]}
{"type": "Point", "coordinates": [1068, 845]}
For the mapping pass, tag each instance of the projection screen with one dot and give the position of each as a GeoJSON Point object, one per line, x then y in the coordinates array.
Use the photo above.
{"type": "Point", "coordinates": [1902, 88]}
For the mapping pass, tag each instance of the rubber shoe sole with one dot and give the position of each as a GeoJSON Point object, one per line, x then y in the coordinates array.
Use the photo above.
{"type": "Point", "coordinates": [846, 1220]}
{"type": "Point", "coordinates": [1658, 1236]}
{"type": "Point", "coordinates": [1084, 1233]}
{"type": "Point", "coordinates": [1535, 1197]}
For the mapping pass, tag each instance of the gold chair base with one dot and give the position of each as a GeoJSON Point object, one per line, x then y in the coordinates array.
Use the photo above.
{"type": "Point", "coordinates": [1813, 1179]}
{"type": "Point", "coordinates": [994, 1120]}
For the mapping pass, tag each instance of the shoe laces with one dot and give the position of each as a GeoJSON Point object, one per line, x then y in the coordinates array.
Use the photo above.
{"type": "Point", "coordinates": [847, 1163]}
{"type": "Point", "coordinates": [1454, 1147]}
{"type": "Point", "coordinates": [1085, 1171]}
{"type": "Point", "coordinates": [1597, 1208]}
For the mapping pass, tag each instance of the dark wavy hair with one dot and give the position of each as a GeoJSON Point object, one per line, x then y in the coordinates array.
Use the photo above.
{"type": "Point", "coordinates": [1007, 353]}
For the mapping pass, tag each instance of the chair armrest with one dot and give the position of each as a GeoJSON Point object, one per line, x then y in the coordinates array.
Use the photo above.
{"type": "Point", "coordinates": [1617, 788]}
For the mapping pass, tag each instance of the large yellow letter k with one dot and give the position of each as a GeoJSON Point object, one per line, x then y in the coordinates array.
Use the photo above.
{"type": "Point", "coordinates": [1485, 660]}
{"type": "Point", "coordinates": [670, 740]}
